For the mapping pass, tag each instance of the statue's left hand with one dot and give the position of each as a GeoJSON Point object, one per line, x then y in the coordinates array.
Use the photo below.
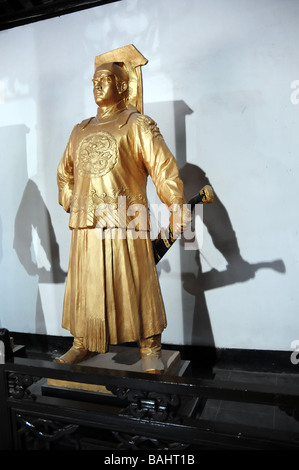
{"type": "Point", "coordinates": [180, 219]}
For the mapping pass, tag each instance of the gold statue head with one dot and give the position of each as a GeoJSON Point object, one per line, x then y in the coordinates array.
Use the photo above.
{"type": "Point", "coordinates": [110, 84]}
{"type": "Point", "coordinates": [124, 65]}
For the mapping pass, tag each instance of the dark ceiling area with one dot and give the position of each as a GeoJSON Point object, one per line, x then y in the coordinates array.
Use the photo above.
{"type": "Point", "coordinates": [19, 12]}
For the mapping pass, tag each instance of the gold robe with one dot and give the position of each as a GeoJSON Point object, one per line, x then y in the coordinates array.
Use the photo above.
{"type": "Point", "coordinates": [112, 292]}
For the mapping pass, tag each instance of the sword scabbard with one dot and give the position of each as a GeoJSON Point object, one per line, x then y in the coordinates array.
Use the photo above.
{"type": "Point", "coordinates": [165, 239]}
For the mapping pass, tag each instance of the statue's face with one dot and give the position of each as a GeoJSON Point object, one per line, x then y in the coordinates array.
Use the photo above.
{"type": "Point", "coordinates": [104, 88]}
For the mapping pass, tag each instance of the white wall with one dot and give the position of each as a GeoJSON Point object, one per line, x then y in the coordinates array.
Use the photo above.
{"type": "Point", "coordinates": [219, 83]}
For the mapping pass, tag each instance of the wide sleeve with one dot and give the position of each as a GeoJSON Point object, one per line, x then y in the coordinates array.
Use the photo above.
{"type": "Point", "coordinates": [65, 175]}
{"type": "Point", "coordinates": [159, 162]}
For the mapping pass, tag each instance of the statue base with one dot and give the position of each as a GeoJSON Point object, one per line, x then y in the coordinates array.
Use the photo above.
{"type": "Point", "coordinates": [124, 359]}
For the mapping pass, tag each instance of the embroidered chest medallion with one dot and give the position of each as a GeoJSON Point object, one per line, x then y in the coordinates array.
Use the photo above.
{"type": "Point", "coordinates": [97, 154]}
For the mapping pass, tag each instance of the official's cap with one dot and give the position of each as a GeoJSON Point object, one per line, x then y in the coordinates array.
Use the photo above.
{"type": "Point", "coordinates": [132, 61]}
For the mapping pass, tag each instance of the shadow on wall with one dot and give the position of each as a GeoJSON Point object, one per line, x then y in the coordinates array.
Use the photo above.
{"type": "Point", "coordinates": [219, 226]}
{"type": "Point", "coordinates": [32, 215]}
{"type": "Point", "coordinates": [216, 219]}
{"type": "Point", "coordinates": [34, 236]}
{"type": "Point", "coordinates": [26, 225]}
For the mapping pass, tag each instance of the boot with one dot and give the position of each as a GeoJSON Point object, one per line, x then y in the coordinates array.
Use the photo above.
{"type": "Point", "coordinates": [77, 353]}
{"type": "Point", "coordinates": [150, 351]}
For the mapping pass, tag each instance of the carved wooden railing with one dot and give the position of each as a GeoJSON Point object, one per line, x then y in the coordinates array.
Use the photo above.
{"type": "Point", "coordinates": [137, 411]}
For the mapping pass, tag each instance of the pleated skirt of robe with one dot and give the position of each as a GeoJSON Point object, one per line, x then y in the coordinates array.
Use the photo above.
{"type": "Point", "coordinates": [112, 292]}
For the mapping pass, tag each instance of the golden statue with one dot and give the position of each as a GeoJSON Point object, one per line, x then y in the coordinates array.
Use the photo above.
{"type": "Point", "coordinates": [112, 293]}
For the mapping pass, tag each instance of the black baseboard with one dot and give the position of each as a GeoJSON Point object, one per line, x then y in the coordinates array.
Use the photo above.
{"type": "Point", "coordinates": [202, 358]}
{"type": "Point", "coordinates": [253, 360]}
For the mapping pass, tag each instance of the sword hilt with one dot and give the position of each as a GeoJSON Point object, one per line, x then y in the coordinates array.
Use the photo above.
{"type": "Point", "coordinates": [205, 196]}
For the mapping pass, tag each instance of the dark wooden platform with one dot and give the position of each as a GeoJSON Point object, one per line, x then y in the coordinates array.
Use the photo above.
{"type": "Point", "coordinates": [140, 412]}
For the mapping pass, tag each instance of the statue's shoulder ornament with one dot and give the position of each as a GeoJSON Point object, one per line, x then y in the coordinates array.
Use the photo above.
{"type": "Point", "coordinates": [148, 126]}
